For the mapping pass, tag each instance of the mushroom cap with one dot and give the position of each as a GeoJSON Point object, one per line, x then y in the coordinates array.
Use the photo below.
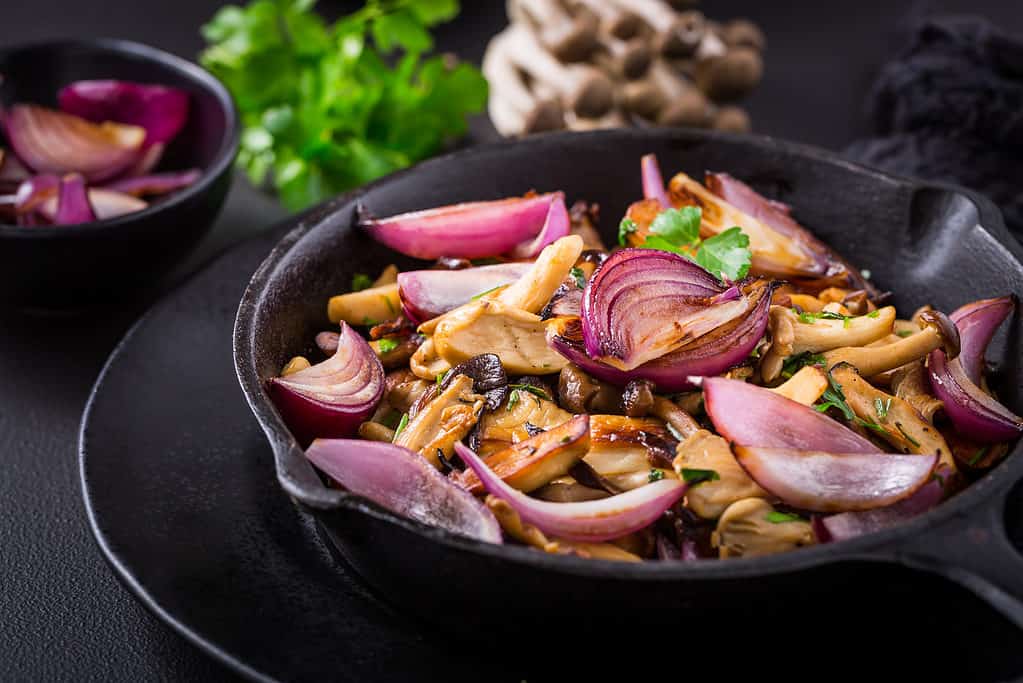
{"type": "Point", "coordinates": [731, 119]}
{"type": "Point", "coordinates": [690, 108]}
{"type": "Point", "coordinates": [593, 95]}
{"type": "Point", "coordinates": [684, 35]}
{"type": "Point", "coordinates": [744, 33]}
{"type": "Point", "coordinates": [573, 42]}
{"type": "Point", "coordinates": [547, 115]}
{"type": "Point", "coordinates": [731, 75]}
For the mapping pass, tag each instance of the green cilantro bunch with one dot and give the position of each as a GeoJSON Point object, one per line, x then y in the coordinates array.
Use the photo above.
{"type": "Point", "coordinates": [326, 108]}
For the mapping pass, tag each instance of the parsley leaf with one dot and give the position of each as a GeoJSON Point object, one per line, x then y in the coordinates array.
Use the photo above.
{"type": "Point", "coordinates": [533, 389]}
{"type": "Point", "coordinates": [513, 400]}
{"type": "Point", "coordinates": [727, 254]}
{"type": "Point", "coordinates": [401, 427]}
{"type": "Point", "coordinates": [483, 294]}
{"type": "Point", "coordinates": [678, 226]}
{"type": "Point", "coordinates": [697, 476]}
{"type": "Point", "coordinates": [981, 452]}
{"type": "Point", "coordinates": [904, 333]}
{"type": "Point", "coordinates": [874, 314]}
{"type": "Point", "coordinates": [387, 344]}
{"type": "Point", "coordinates": [794, 364]}
{"type": "Point", "coordinates": [655, 475]}
{"type": "Point", "coordinates": [361, 281]}
{"type": "Point", "coordinates": [579, 277]}
{"type": "Point", "coordinates": [898, 425]}
{"type": "Point", "coordinates": [834, 398]}
{"type": "Point", "coordinates": [775, 517]}
{"type": "Point", "coordinates": [882, 407]}
{"type": "Point", "coordinates": [626, 228]}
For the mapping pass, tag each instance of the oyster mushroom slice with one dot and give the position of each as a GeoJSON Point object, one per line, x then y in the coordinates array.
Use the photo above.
{"type": "Point", "coordinates": [534, 289]}
{"type": "Point", "coordinates": [910, 383]}
{"type": "Point", "coordinates": [528, 465]}
{"type": "Point", "coordinates": [443, 421]}
{"type": "Point", "coordinates": [938, 332]}
{"type": "Point", "coordinates": [705, 451]}
{"type": "Point", "coordinates": [746, 530]}
{"type": "Point", "coordinates": [511, 422]}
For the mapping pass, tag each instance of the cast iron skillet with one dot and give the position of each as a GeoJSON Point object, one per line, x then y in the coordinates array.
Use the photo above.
{"type": "Point", "coordinates": [928, 243]}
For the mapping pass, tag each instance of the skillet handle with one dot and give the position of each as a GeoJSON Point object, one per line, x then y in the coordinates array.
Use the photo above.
{"type": "Point", "coordinates": [972, 549]}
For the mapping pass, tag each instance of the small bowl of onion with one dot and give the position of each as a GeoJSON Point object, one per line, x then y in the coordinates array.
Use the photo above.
{"type": "Point", "coordinates": [115, 159]}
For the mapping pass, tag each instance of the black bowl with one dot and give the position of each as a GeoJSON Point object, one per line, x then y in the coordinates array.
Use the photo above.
{"type": "Point", "coordinates": [926, 243]}
{"type": "Point", "coordinates": [65, 266]}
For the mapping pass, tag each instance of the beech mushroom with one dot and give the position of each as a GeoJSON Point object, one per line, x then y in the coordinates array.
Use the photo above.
{"type": "Point", "coordinates": [680, 32]}
{"type": "Point", "coordinates": [938, 331]}
{"type": "Point", "coordinates": [402, 388]}
{"type": "Point", "coordinates": [730, 75]}
{"type": "Point", "coordinates": [582, 89]}
{"type": "Point", "coordinates": [569, 39]}
{"type": "Point", "coordinates": [512, 422]}
{"type": "Point", "coordinates": [751, 527]}
{"type": "Point", "coordinates": [910, 383]}
{"type": "Point", "coordinates": [614, 21]}
{"type": "Point", "coordinates": [890, 417]}
{"type": "Point", "coordinates": [707, 455]}
{"type": "Point", "coordinates": [532, 291]}
{"type": "Point", "coordinates": [675, 416]}
{"type": "Point", "coordinates": [743, 33]}
{"type": "Point", "coordinates": [366, 307]}
{"type": "Point", "coordinates": [374, 431]}
{"type": "Point", "coordinates": [624, 60]}
{"type": "Point", "coordinates": [443, 421]}
{"type": "Point", "coordinates": [684, 105]}
{"type": "Point", "coordinates": [513, 108]}
{"type": "Point", "coordinates": [732, 120]}
{"type": "Point", "coordinates": [581, 393]}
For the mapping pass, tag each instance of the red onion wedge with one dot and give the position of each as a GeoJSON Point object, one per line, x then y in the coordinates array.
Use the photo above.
{"type": "Point", "coordinates": [105, 204]}
{"type": "Point", "coordinates": [653, 182]}
{"type": "Point", "coordinates": [330, 399]}
{"type": "Point", "coordinates": [470, 230]}
{"type": "Point", "coordinates": [426, 294]}
{"type": "Point", "coordinates": [748, 415]}
{"type": "Point", "coordinates": [974, 413]}
{"type": "Point", "coordinates": [155, 184]}
{"type": "Point", "coordinates": [835, 482]}
{"type": "Point", "coordinates": [160, 110]}
{"type": "Point", "coordinates": [641, 304]}
{"type": "Point", "coordinates": [852, 524]}
{"type": "Point", "coordinates": [404, 483]}
{"type": "Point", "coordinates": [73, 205]}
{"type": "Point", "coordinates": [148, 160]}
{"type": "Point", "coordinates": [50, 141]}
{"type": "Point", "coordinates": [556, 225]}
{"type": "Point", "coordinates": [710, 355]}
{"type": "Point", "coordinates": [36, 190]}
{"type": "Point", "coordinates": [592, 520]}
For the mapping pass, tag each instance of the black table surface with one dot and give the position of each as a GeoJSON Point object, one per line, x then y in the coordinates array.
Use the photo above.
{"type": "Point", "coordinates": [63, 615]}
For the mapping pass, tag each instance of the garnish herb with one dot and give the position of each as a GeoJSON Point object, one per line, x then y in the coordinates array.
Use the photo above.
{"type": "Point", "coordinates": [775, 517]}
{"type": "Point", "coordinates": [834, 398]}
{"type": "Point", "coordinates": [882, 407]}
{"type": "Point", "coordinates": [368, 322]}
{"type": "Point", "coordinates": [401, 427]}
{"type": "Point", "coordinates": [441, 376]}
{"type": "Point", "coordinates": [981, 452]}
{"type": "Point", "coordinates": [625, 228]}
{"type": "Point", "coordinates": [326, 108]}
{"type": "Point", "coordinates": [794, 364]}
{"type": "Point", "coordinates": [390, 305]}
{"type": "Point", "coordinates": [579, 277]}
{"type": "Point", "coordinates": [483, 294]}
{"type": "Point", "coordinates": [387, 344]}
{"type": "Point", "coordinates": [874, 314]}
{"type": "Point", "coordinates": [697, 476]}
{"type": "Point", "coordinates": [678, 226]}
{"type": "Point", "coordinates": [870, 425]}
{"type": "Point", "coordinates": [655, 475]}
{"type": "Point", "coordinates": [726, 255]}
{"type": "Point", "coordinates": [513, 400]}
{"type": "Point", "coordinates": [810, 318]}
{"type": "Point", "coordinates": [566, 438]}
{"type": "Point", "coordinates": [535, 390]}
{"type": "Point", "coordinates": [898, 425]}
{"type": "Point", "coordinates": [361, 281]}
{"type": "Point", "coordinates": [904, 333]}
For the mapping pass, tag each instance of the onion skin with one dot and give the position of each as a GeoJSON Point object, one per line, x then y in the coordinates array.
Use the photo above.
{"type": "Point", "coordinates": [331, 399]}
{"type": "Point", "coordinates": [162, 111]}
{"type": "Point", "coordinates": [835, 482]}
{"type": "Point", "coordinates": [50, 141]}
{"type": "Point", "coordinates": [748, 415]}
{"type": "Point", "coordinates": [653, 181]}
{"type": "Point", "coordinates": [591, 521]}
{"type": "Point", "coordinates": [710, 355]}
{"type": "Point", "coordinates": [558, 224]}
{"type": "Point", "coordinates": [427, 294]}
{"type": "Point", "coordinates": [974, 414]}
{"type": "Point", "coordinates": [156, 183]}
{"type": "Point", "coordinates": [73, 205]}
{"type": "Point", "coordinates": [469, 230]}
{"type": "Point", "coordinates": [404, 483]}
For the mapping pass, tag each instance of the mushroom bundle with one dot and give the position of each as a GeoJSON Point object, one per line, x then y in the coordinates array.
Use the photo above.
{"type": "Point", "coordinates": [585, 64]}
{"type": "Point", "coordinates": [719, 384]}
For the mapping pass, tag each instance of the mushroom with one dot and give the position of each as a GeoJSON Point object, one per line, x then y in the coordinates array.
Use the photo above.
{"type": "Point", "coordinates": [937, 331]}
{"type": "Point", "coordinates": [730, 75]}
{"type": "Point", "coordinates": [806, 386]}
{"type": "Point", "coordinates": [684, 105]}
{"type": "Point", "coordinates": [581, 393]}
{"type": "Point", "coordinates": [569, 39]}
{"type": "Point", "coordinates": [426, 363]}
{"type": "Point", "coordinates": [890, 417]}
{"type": "Point", "coordinates": [488, 378]}
{"type": "Point", "coordinates": [614, 21]}
{"type": "Point", "coordinates": [443, 421]}
{"type": "Point", "coordinates": [637, 398]}
{"type": "Point", "coordinates": [613, 119]}
{"type": "Point", "coordinates": [534, 289]}
{"type": "Point", "coordinates": [743, 33]}
{"type": "Point", "coordinates": [624, 449]}
{"type": "Point", "coordinates": [675, 417]}
{"type": "Point", "coordinates": [623, 60]}
{"type": "Point", "coordinates": [726, 481]}
{"type": "Point", "coordinates": [568, 490]}
{"type": "Point", "coordinates": [731, 119]}
{"type": "Point", "coordinates": [296, 364]}
{"type": "Point", "coordinates": [910, 383]}
{"type": "Point", "coordinates": [402, 388]}
{"type": "Point", "coordinates": [365, 307]}
{"type": "Point", "coordinates": [513, 525]}
{"type": "Point", "coordinates": [749, 529]}
{"type": "Point", "coordinates": [790, 335]}
{"type": "Point", "coordinates": [513, 108]}
{"type": "Point", "coordinates": [597, 551]}
{"type": "Point", "coordinates": [392, 356]}
{"type": "Point", "coordinates": [374, 431]}
{"type": "Point", "coordinates": [582, 89]}
{"type": "Point", "coordinates": [584, 219]}
{"type": "Point", "coordinates": [679, 33]}
{"type": "Point", "coordinates": [388, 276]}
{"type": "Point", "coordinates": [532, 463]}
{"type": "Point", "coordinates": [512, 422]}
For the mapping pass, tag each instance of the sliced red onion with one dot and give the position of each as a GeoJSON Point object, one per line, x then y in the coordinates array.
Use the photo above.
{"type": "Point", "coordinates": [641, 304]}
{"type": "Point", "coordinates": [973, 412]}
{"type": "Point", "coordinates": [404, 483]}
{"type": "Point", "coordinates": [592, 520]}
{"type": "Point", "coordinates": [330, 399]}
{"type": "Point", "coordinates": [470, 230]}
{"type": "Point", "coordinates": [748, 415]}
{"type": "Point", "coordinates": [835, 482]}
{"type": "Point", "coordinates": [155, 184]}
{"type": "Point", "coordinates": [148, 160]}
{"type": "Point", "coordinates": [160, 110]}
{"type": "Point", "coordinates": [558, 224]}
{"type": "Point", "coordinates": [12, 171]}
{"type": "Point", "coordinates": [50, 141]}
{"type": "Point", "coordinates": [426, 294]}
{"type": "Point", "coordinates": [851, 524]}
{"type": "Point", "coordinates": [73, 205]}
{"type": "Point", "coordinates": [105, 204]}
{"type": "Point", "coordinates": [709, 355]}
{"type": "Point", "coordinates": [653, 182]}
{"type": "Point", "coordinates": [36, 190]}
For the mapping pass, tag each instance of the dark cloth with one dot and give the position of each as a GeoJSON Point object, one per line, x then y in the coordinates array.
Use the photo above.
{"type": "Point", "coordinates": [950, 108]}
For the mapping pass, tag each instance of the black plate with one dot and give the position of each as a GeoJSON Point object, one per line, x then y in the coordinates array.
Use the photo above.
{"type": "Point", "coordinates": [180, 488]}
{"type": "Point", "coordinates": [928, 243]}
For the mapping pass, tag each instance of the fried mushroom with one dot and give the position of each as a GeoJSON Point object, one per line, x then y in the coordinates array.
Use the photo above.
{"type": "Point", "coordinates": [751, 528]}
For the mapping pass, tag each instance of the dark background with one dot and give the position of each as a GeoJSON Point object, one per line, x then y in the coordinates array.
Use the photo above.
{"type": "Point", "coordinates": [63, 616]}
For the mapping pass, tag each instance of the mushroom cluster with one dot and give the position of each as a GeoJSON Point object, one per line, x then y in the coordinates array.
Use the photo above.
{"type": "Point", "coordinates": [585, 64]}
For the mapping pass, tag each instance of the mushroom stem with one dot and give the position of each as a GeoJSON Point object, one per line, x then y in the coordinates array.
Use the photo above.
{"type": "Point", "coordinates": [680, 32]}
{"type": "Point", "coordinates": [683, 104]}
{"type": "Point", "coordinates": [910, 383]}
{"type": "Point", "coordinates": [513, 108]}
{"type": "Point", "coordinates": [873, 360]}
{"type": "Point", "coordinates": [681, 421]}
{"type": "Point", "coordinates": [583, 89]}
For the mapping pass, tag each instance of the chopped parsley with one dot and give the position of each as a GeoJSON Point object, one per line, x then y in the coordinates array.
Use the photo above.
{"type": "Point", "coordinates": [794, 364]}
{"type": "Point", "coordinates": [369, 322]}
{"type": "Point", "coordinates": [387, 344]}
{"type": "Point", "coordinates": [874, 314]}
{"type": "Point", "coordinates": [626, 228]}
{"type": "Point", "coordinates": [834, 398]}
{"type": "Point", "coordinates": [678, 226]}
{"type": "Point", "coordinates": [775, 517]}
{"type": "Point", "coordinates": [579, 276]}
{"type": "Point", "coordinates": [566, 438]}
{"type": "Point", "coordinates": [390, 304]}
{"type": "Point", "coordinates": [904, 333]}
{"type": "Point", "coordinates": [361, 281]}
{"type": "Point", "coordinates": [981, 452]}
{"type": "Point", "coordinates": [726, 255]}
{"type": "Point", "coordinates": [882, 408]}
{"type": "Point", "coordinates": [401, 427]}
{"type": "Point", "coordinates": [483, 294]}
{"type": "Point", "coordinates": [810, 318]}
{"type": "Point", "coordinates": [898, 425]}
{"type": "Point", "coordinates": [697, 476]}
{"type": "Point", "coordinates": [513, 400]}
{"type": "Point", "coordinates": [655, 475]}
{"type": "Point", "coordinates": [537, 391]}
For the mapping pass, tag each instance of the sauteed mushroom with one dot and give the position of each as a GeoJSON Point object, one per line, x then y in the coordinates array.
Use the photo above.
{"type": "Point", "coordinates": [752, 527]}
{"type": "Point", "coordinates": [443, 421]}
{"type": "Point", "coordinates": [706, 460]}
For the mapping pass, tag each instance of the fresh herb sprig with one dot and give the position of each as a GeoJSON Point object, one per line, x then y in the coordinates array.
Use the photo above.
{"type": "Point", "coordinates": [325, 107]}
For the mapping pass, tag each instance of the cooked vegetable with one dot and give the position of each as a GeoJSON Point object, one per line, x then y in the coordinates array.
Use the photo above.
{"type": "Point", "coordinates": [161, 111]}
{"type": "Point", "coordinates": [716, 479]}
{"type": "Point", "coordinates": [73, 201]}
{"type": "Point", "coordinates": [851, 524]}
{"type": "Point", "coordinates": [156, 183]}
{"type": "Point", "coordinates": [443, 422]}
{"type": "Point", "coordinates": [427, 294]}
{"type": "Point", "coordinates": [653, 183]}
{"type": "Point", "coordinates": [749, 528]}
{"type": "Point", "coordinates": [365, 307]}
